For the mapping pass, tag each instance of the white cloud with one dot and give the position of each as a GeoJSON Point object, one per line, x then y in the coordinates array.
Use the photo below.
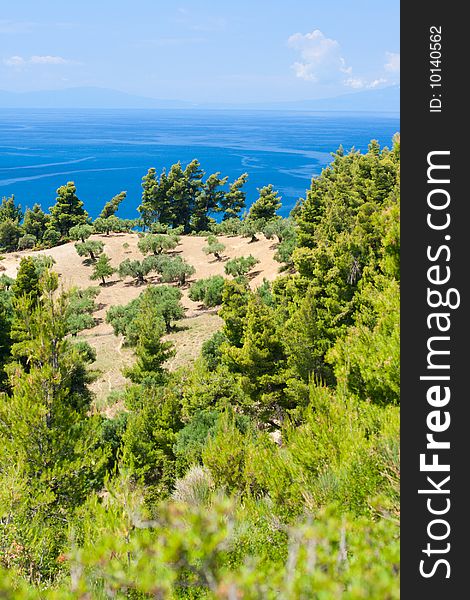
{"type": "Point", "coordinates": [376, 82]}
{"type": "Point", "coordinates": [14, 61]}
{"type": "Point", "coordinates": [48, 60]}
{"type": "Point", "coordinates": [359, 83]}
{"type": "Point", "coordinates": [19, 61]}
{"type": "Point", "coordinates": [355, 82]}
{"type": "Point", "coordinates": [393, 63]}
{"type": "Point", "coordinates": [320, 56]}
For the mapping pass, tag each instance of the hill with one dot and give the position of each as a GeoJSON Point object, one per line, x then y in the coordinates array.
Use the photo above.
{"type": "Point", "coordinates": [199, 323]}
{"type": "Point", "coordinates": [380, 100]}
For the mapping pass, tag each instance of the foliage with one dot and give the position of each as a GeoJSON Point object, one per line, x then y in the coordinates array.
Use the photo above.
{"type": "Point", "coordinates": [10, 234]}
{"type": "Point", "coordinates": [265, 207]}
{"type": "Point", "coordinates": [151, 352]}
{"type": "Point", "coordinates": [102, 269]}
{"type": "Point", "coordinates": [111, 207]}
{"type": "Point", "coordinates": [367, 359]}
{"type": "Point", "coordinates": [42, 263]}
{"type": "Point", "coordinates": [234, 200]}
{"type": "Point", "coordinates": [138, 269]}
{"type": "Point", "coordinates": [270, 467]}
{"type": "Point", "coordinates": [211, 350]}
{"type": "Point", "coordinates": [80, 308]}
{"type": "Point", "coordinates": [165, 302]}
{"type": "Point", "coordinates": [91, 248]}
{"type": "Point", "coordinates": [27, 242]}
{"type": "Point", "coordinates": [68, 210]}
{"type": "Point", "coordinates": [35, 222]}
{"type": "Point", "coordinates": [230, 226]}
{"type": "Point", "coordinates": [27, 280]}
{"type": "Point", "coordinates": [175, 269]}
{"type": "Point", "coordinates": [149, 439]}
{"type": "Point", "coordinates": [214, 247]}
{"type": "Point", "coordinates": [10, 211]}
{"type": "Point", "coordinates": [49, 451]}
{"type": "Point", "coordinates": [208, 199]}
{"type": "Point", "coordinates": [51, 238]}
{"type": "Point", "coordinates": [208, 291]}
{"type": "Point", "coordinates": [157, 243]}
{"type": "Point", "coordinates": [81, 232]}
{"type": "Point", "coordinates": [238, 267]}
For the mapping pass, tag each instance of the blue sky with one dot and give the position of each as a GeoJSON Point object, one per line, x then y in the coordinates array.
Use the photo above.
{"type": "Point", "coordinates": [200, 50]}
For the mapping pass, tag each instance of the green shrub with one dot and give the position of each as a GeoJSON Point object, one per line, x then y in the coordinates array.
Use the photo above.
{"type": "Point", "coordinates": [208, 291]}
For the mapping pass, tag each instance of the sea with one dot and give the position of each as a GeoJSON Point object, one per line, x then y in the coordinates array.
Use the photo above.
{"type": "Point", "coordinates": [107, 151]}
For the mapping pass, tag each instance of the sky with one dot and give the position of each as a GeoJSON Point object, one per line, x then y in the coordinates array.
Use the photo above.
{"type": "Point", "coordinates": [201, 50]}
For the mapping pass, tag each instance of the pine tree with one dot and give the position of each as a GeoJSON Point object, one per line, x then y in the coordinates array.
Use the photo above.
{"type": "Point", "coordinates": [111, 207]}
{"type": "Point", "coordinates": [234, 200]}
{"type": "Point", "coordinates": [10, 211]}
{"type": "Point", "coordinates": [208, 200]}
{"type": "Point", "coordinates": [265, 208]}
{"type": "Point", "coordinates": [68, 210]}
{"type": "Point", "coordinates": [183, 187]}
{"type": "Point", "coordinates": [10, 233]}
{"type": "Point", "coordinates": [261, 361]}
{"type": "Point", "coordinates": [35, 222]}
{"type": "Point", "coordinates": [48, 441]}
{"type": "Point", "coordinates": [150, 350]}
{"type": "Point", "coordinates": [27, 280]}
{"type": "Point", "coordinates": [149, 193]}
{"type": "Point", "coordinates": [234, 305]}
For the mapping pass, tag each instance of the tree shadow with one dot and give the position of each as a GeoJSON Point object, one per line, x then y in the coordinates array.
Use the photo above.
{"type": "Point", "coordinates": [177, 328]}
{"type": "Point", "coordinates": [109, 283]}
{"type": "Point", "coordinates": [89, 262]}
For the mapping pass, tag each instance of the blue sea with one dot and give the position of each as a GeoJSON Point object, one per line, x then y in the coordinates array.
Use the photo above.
{"type": "Point", "coordinates": [106, 151]}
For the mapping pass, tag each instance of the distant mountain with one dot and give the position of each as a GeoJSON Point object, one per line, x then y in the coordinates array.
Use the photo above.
{"type": "Point", "coordinates": [382, 100]}
{"type": "Point", "coordinates": [84, 97]}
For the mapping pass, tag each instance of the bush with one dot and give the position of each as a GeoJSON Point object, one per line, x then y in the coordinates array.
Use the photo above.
{"type": "Point", "coordinates": [27, 242]}
{"type": "Point", "coordinates": [211, 351]}
{"type": "Point", "coordinates": [214, 247]}
{"type": "Point", "coordinates": [195, 488]}
{"type": "Point", "coordinates": [91, 248]}
{"type": "Point", "coordinates": [208, 291]}
{"type": "Point", "coordinates": [165, 301]}
{"type": "Point", "coordinates": [191, 440]}
{"type": "Point", "coordinates": [51, 238]}
{"type": "Point", "coordinates": [138, 269]}
{"type": "Point", "coordinates": [238, 267]}
{"type": "Point", "coordinates": [231, 227]}
{"type": "Point", "coordinates": [174, 269]}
